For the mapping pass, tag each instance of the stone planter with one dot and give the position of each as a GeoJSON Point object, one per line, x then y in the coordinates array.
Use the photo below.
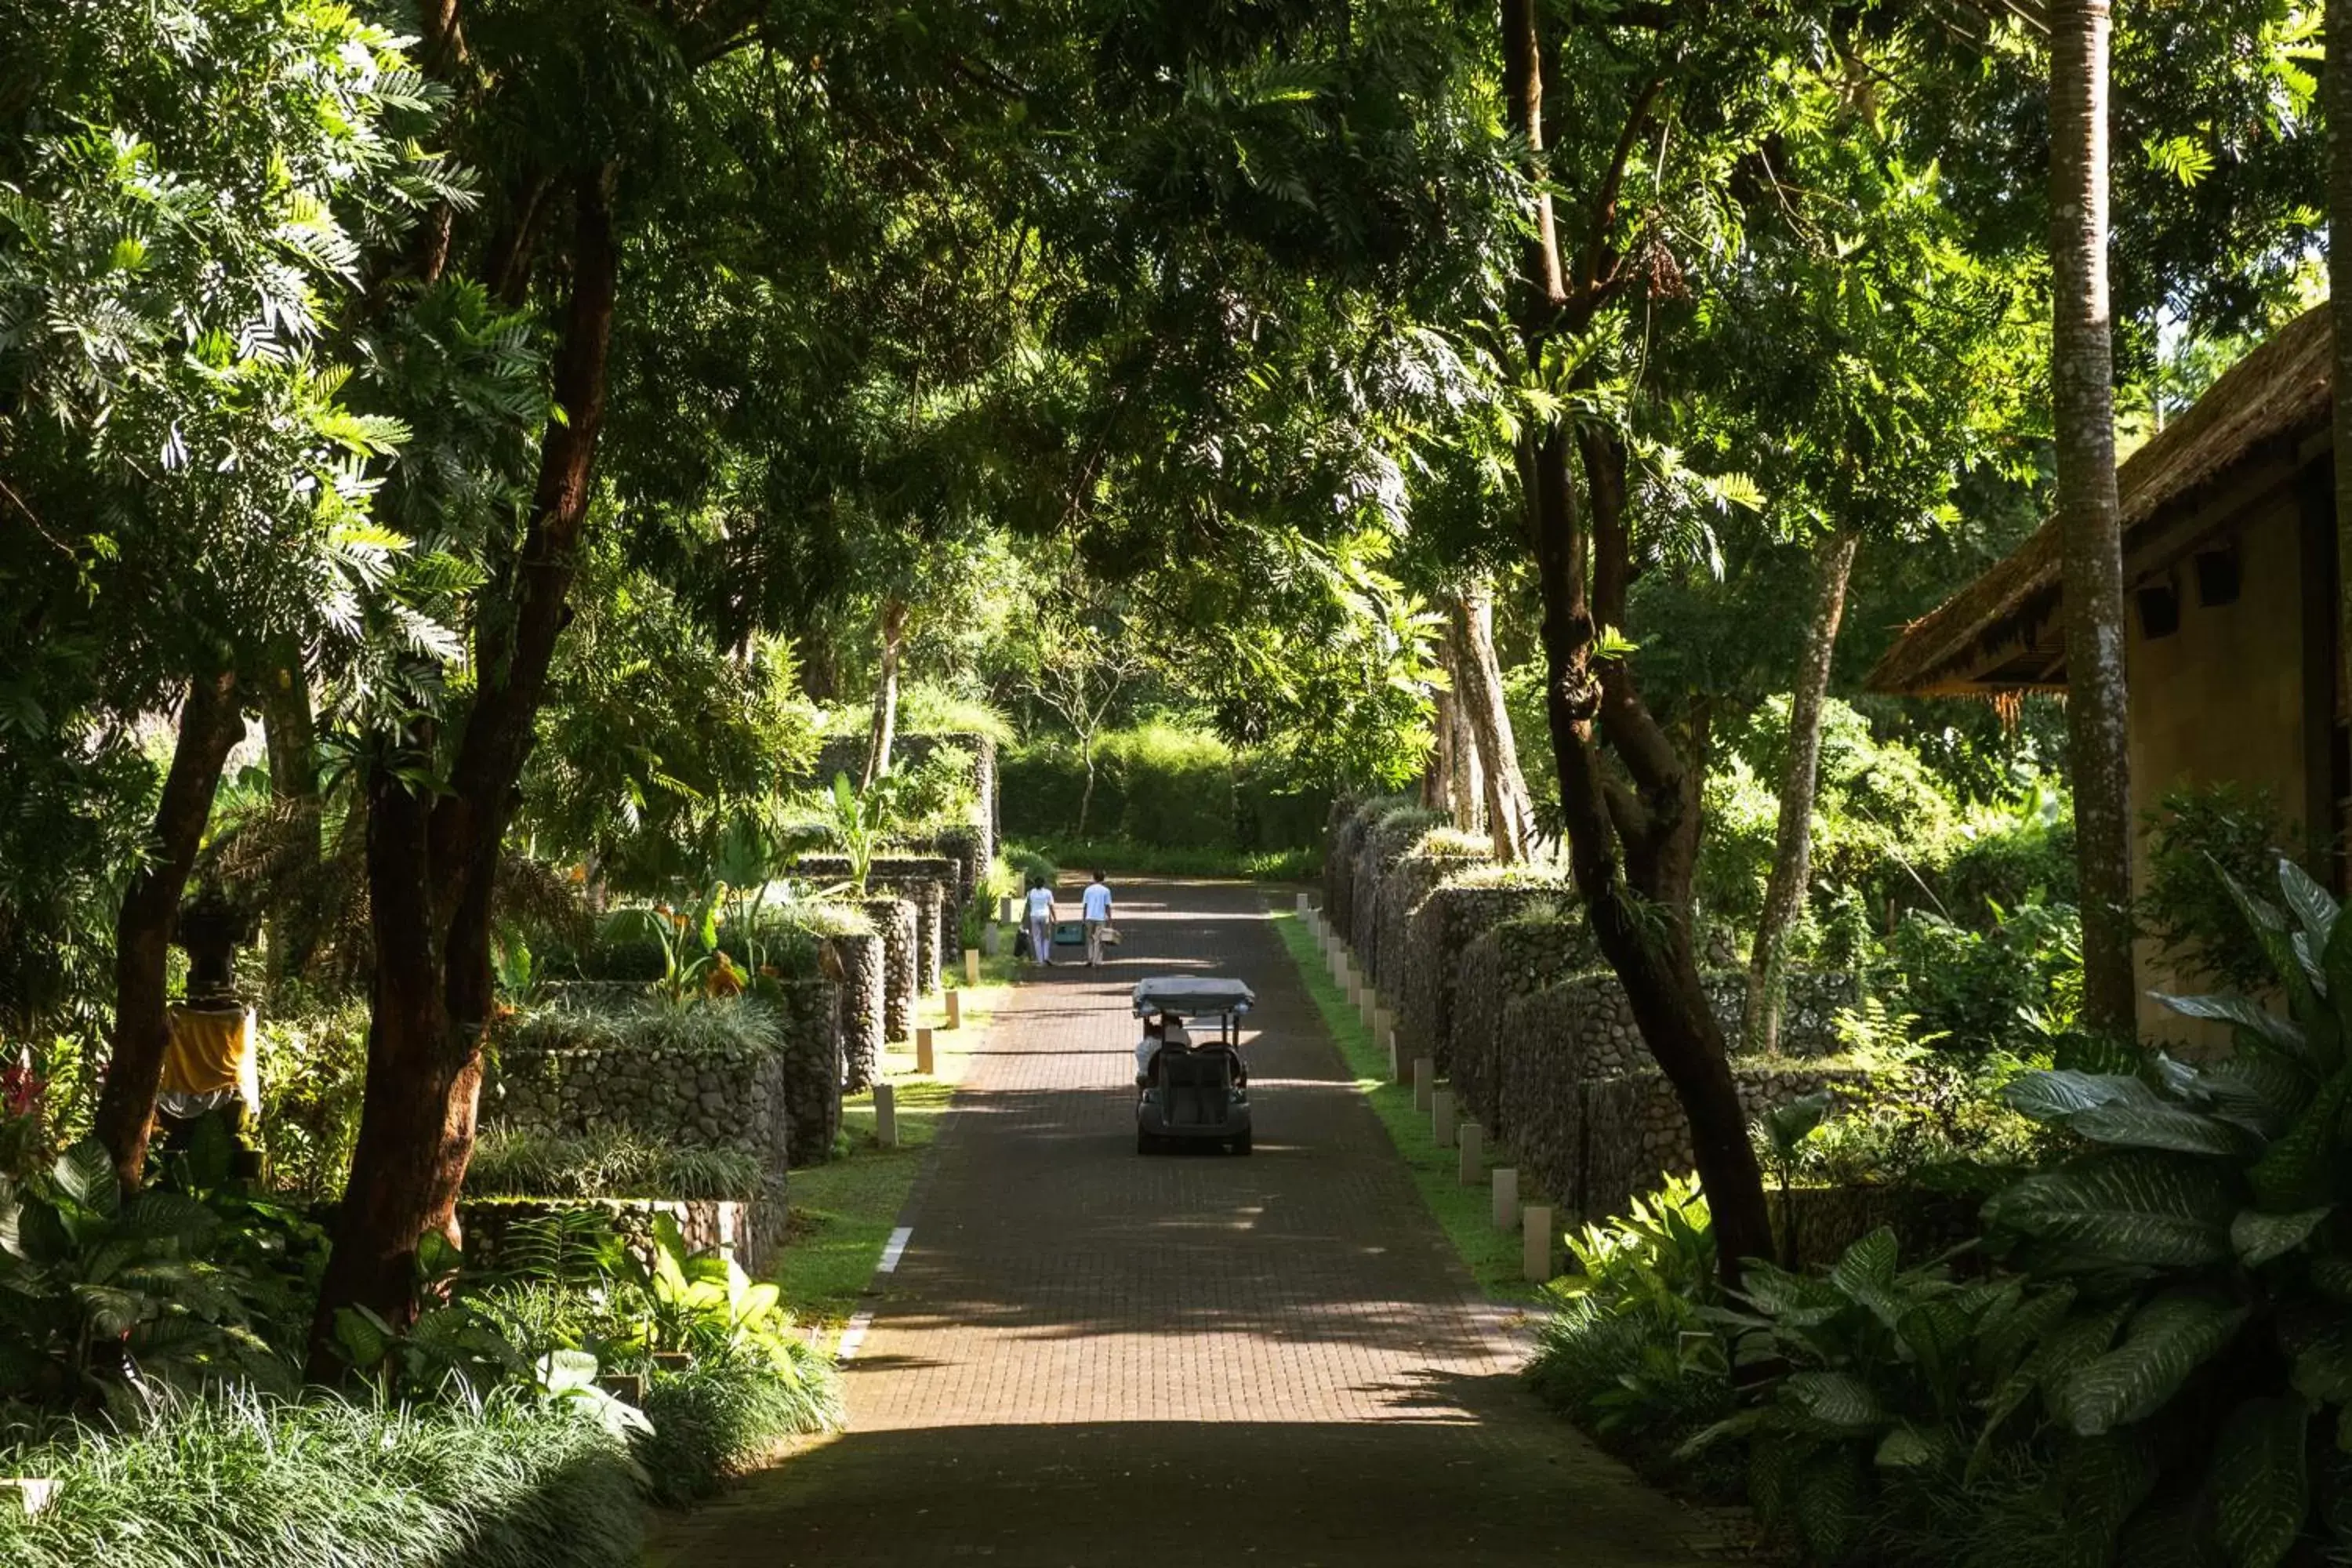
{"type": "Point", "coordinates": [812, 1067]}
{"type": "Point", "coordinates": [865, 965]}
{"type": "Point", "coordinates": [895, 923]}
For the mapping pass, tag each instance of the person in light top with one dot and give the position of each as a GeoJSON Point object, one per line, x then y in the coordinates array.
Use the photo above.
{"type": "Point", "coordinates": [1095, 909]}
{"type": "Point", "coordinates": [1041, 921]}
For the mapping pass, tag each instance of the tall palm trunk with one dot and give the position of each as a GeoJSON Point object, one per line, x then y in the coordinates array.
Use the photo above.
{"type": "Point", "coordinates": [2082, 380]}
{"type": "Point", "coordinates": [1792, 848]}
{"type": "Point", "coordinates": [210, 727]}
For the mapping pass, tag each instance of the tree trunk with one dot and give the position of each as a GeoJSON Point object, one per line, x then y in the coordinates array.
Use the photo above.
{"type": "Point", "coordinates": [433, 866]}
{"type": "Point", "coordinates": [1437, 772]}
{"type": "Point", "coordinates": [1510, 820]}
{"type": "Point", "coordinates": [1633, 851]}
{"type": "Point", "coordinates": [885, 693]}
{"type": "Point", "coordinates": [2336, 89]}
{"type": "Point", "coordinates": [1792, 848]}
{"type": "Point", "coordinates": [291, 734]}
{"type": "Point", "coordinates": [210, 727]}
{"type": "Point", "coordinates": [1086, 795]}
{"type": "Point", "coordinates": [2083, 389]}
{"type": "Point", "coordinates": [1469, 782]}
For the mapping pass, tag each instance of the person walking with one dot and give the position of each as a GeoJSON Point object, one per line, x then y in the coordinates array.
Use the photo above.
{"type": "Point", "coordinates": [1041, 922]}
{"type": "Point", "coordinates": [1094, 908]}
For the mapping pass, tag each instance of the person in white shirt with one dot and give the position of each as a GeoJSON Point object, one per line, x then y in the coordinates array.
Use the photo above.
{"type": "Point", "coordinates": [1095, 909]}
{"type": "Point", "coordinates": [1041, 922]}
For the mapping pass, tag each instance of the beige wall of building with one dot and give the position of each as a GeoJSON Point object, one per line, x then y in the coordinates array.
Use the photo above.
{"type": "Point", "coordinates": [2221, 699]}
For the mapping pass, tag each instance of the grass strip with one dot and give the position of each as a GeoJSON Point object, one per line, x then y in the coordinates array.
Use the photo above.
{"type": "Point", "coordinates": [843, 1212]}
{"type": "Point", "coordinates": [1465, 1214]}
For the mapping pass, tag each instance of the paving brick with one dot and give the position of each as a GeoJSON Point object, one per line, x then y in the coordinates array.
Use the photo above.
{"type": "Point", "coordinates": [1089, 1355]}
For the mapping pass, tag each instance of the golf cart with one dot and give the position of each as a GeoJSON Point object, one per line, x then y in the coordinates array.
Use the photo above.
{"type": "Point", "coordinates": [1195, 1090]}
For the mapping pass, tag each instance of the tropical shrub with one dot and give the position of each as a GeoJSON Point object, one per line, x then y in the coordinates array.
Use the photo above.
{"type": "Point", "coordinates": [720, 1023]}
{"type": "Point", "coordinates": [313, 1068]}
{"type": "Point", "coordinates": [515, 1480]}
{"type": "Point", "coordinates": [1977, 991]}
{"type": "Point", "coordinates": [113, 1302]}
{"type": "Point", "coordinates": [2187, 908]}
{"type": "Point", "coordinates": [1625, 1349]}
{"type": "Point", "coordinates": [2204, 1241]}
{"type": "Point", "coordinates": [512, 1162]}
{"type": "Point", "coordinates": [1865, 1371]}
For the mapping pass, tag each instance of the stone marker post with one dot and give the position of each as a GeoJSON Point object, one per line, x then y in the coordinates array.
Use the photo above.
{"type": "Point", "coordinates": [1535, 1243]}
{"type": "Point", "coordinates": [971, 966]}
{"type": "Point", "coordinates": [886, 1116]}
{"type": "Point", "coordinates": [1396, 1059]}
{"type": "Point", "coordinates": [1304, 907]}
{"type": "Point", "coordinates": [955, 1010]}
{"type": "Point", "coordinates": [924, 1061]}
{"type": "Point", "coordinates": [1506, 1197]}
{"type": "Point", "coordinates": [1441, 1117]}
{"type": "Point", "coordinates": [1471, 1140]}
{"type": "Point", "coordinates": [1425, 1083]}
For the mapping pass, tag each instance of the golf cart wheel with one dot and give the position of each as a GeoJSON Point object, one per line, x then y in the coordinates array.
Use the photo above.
{"type": "Point", "coordinates": [1242, 1144]}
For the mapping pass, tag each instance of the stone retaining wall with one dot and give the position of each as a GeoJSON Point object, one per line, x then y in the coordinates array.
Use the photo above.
{"type": "Point", "coordinates": [864, 974]}
{"type": "Point", "coordinates": [1351, 819]}
{"type": "Point", "coordinates": [1407, 884]}
{"type": "Point", "coordinates": [812, 1067]}
{"type": "Point", "coordinates": [897, 922]}
{"type": "Point", "coordinates": [1444, 925]}
{"type": "Point", "coordinates": [1387, 843]}
{"type": "Point", "coordinates": [728, 1098]}
{"type": "Point", "coordinates": [1612, 1138]}
{"type": "Point", "coordinates": [1517, 956]}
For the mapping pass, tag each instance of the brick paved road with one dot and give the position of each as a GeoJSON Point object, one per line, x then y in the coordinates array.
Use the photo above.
{"type": "Point", "coordinates": [1090, 1357]}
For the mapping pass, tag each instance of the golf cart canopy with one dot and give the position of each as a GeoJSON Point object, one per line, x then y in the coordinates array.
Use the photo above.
{"type": "Point", "coordinates": [1190, 996]}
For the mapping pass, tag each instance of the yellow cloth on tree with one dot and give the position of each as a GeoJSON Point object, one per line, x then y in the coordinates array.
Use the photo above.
{"type": "Point", "coordinates": [211, 1052]}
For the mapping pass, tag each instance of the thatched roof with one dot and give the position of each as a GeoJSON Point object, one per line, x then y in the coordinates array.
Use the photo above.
{"type": "Point", "coordinates": [2004, 631]}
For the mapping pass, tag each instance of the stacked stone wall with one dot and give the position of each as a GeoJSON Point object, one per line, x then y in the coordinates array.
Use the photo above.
{"type": "Point", "coordinates": [1442, 928]}
{"type": "Point", "coordinates": [1389, 841]}
{"type": "Point", "coordinates": [926, 882]}
{"type": "Point", "coordinates": [729, 1097]}
{"type": "Point", "coordinates": [814, 1069]}
{"type": "Point", "coordinates": [1514, 957]}
{"type": "Point", "coordinates": [865, 974]}
{"type": "Point", "coordinates": [897, 923]}
{"type": "Point", "coordinates": [1407, 885]}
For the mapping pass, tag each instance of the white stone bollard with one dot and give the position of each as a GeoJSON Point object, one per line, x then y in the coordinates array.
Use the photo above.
{"type": "Point", "coordinates": [1008, 910]}
{"type": "Point", "coordinates": [1440, 1118]}
{"type": "Point", "coordinates": [955, 1010]}
{"type": "Point", "coordinates": [1535, 1243]}
{"type": "Point", "coordinates": [971, 966]}
{"type": "Point", "coordinates": [1304, 907]}
{"type": "Point", "coordinates": [1373, 1011]}
{"type": "Point", "coordinates": [1424, 1082]}
{"type": "Point", "coordinates": [886, 1116]}
{"type": "Point", "coordinates": [1396, 1059]}
{"type": "Point", "coordinates": [988, 938]}
{"type": "Point", "coordinates": [1506, 1197]}
{"type": "Point", "coordinates": [1470, 1139]}
{"type": "Point", "coordinates": [924, 1061]}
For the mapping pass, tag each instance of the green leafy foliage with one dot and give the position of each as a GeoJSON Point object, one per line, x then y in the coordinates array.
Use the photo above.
{"type": "Point", "coordinates": [112, 1302]}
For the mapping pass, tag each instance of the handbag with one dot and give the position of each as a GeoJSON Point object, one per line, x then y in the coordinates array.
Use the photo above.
{"type": "Point", "coordinates": [1110, 934]}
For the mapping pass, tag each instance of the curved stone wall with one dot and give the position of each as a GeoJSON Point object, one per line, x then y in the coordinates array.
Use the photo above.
{"type": "Point", "coordinates": [864, 966]}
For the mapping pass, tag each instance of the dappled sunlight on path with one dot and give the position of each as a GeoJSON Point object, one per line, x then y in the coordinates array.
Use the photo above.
{"type": "Point", "coordinates": [1183, 1357]}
